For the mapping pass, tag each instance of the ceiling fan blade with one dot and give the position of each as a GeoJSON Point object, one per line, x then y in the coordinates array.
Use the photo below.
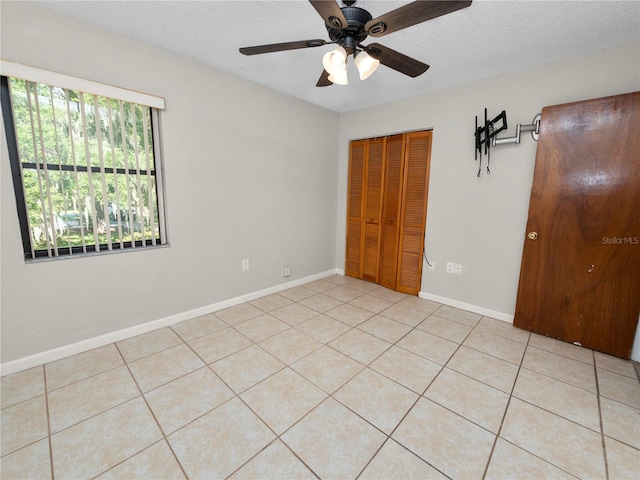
{"type": "Point", "coordinates": [412, 14]}
{"type": "Point", "coordinates": [330, 12]}
{"type": "Point", "coordinates": [396, 60]}
{"type": "Point", "coordinates": [324, 81]}
{"type": "Point", "coordinates": [279, 47]}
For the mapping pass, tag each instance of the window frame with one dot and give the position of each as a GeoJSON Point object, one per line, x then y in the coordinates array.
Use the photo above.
{"type": "Point", "coordinates": [154, 104]}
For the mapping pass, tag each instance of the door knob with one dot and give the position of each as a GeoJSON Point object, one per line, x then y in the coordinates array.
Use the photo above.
{"type": "Point", "coordinates": [532, 235]}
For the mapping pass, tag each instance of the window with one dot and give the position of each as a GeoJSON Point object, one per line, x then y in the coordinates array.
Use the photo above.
{"type": "Point", "coordinates": [86, 170]}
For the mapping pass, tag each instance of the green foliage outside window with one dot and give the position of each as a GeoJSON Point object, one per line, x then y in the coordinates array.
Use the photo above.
{"type": "Point", "coordinates": [88, 167]}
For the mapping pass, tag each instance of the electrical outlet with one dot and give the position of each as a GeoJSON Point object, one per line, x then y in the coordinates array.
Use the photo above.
{"type": "Point", "coordinates": [432, 267]}
{"type": "Point", "coordinates": [450, 267]}
{"type": "Point", "coordinates": [457, 268]}
{"type": "Point", "coordinates": [286, 271]}
{"type": "Point", "coordinates": [245, 264]}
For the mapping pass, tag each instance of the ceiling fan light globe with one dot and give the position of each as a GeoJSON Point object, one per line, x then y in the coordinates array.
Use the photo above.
{"type": "Point", "coordinates": [366, 64]}
{"type": "Point", "coordinates": [334, 61]}
{"type": "Point", "coordinates": [339, 78]}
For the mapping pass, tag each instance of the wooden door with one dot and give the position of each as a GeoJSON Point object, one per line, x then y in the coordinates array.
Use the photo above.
{"type": "Point", "coordinates": [353, 260]}
{"type": "Point", "coordinates": [374, 172]}
{"type": "Point", "coordinates": [392, 203]}
{"type": "Point", "coordinates": [414, 211]}
{"type": "Point", "coordinates": [386, 209]}
{"type": "Point", "coordinates": [580, 278]}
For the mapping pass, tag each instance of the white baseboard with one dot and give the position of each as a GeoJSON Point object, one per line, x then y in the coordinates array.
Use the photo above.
{"type": "Point", "coordinates": [505, 317]}
{"type": "Point", "coordinates": [102, 340]}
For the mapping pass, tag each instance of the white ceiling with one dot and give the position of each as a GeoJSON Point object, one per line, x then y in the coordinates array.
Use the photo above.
{"type": "Point", "coordinates": [487, 39]}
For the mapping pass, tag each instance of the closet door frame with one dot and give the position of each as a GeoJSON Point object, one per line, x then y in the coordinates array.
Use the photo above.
{"type": "Point", "coordinates": [409, 233]}
{"type": "Point", "coordinates": [391, 211]}
{"type": "Point", "coordinates": [355, 207]}
{"type": "Point", "coordinates": [373, 196]}
{"type": "Point", "coordinates": [415, 193]}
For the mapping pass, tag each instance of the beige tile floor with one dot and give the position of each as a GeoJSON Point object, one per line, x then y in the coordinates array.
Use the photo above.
{"type": "Point", "coordinates": [337, 378]}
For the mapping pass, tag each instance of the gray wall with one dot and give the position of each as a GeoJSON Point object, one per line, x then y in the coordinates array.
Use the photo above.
{"type": "Point", "coordinates": [273, 188]}
{"type": "Point", "coordinates": [245, 178]}
{"type": "Point", "coordinates": [480, 222]}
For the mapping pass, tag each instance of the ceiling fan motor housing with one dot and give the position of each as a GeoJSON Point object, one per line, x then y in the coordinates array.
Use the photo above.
{"type": "Point", "coordinates": [355, 33]}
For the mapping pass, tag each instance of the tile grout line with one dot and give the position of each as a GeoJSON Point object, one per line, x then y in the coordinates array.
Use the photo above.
{"type": "Point", "coordinates": [201, 336]}
{"type": "Point", "coordinates": [126, 364]}
{"type": "Point", "coordinates": [542, 349]}
{"type": "Point", "coordinates": [299, 458]}
{"type": "Point", "coordinates": [511, 396]}
{"type": "Point", "coordinates": [46, 397]}
{"type": "Point", "coordinates": [622, 401]}
{"type": "Point", "coordinates": [328, 395]}
{"type": "Point", "coordinates": [506, 409]}
{"type": "Point", "coordinates": [169, 327]}
{"type": "Point", "coordinates": [636, 368]}
{"type": "Point", "coordinates": [164, 436]}
{"type": "Point", "coordinates": [368, 365]}
{"type": "Point", "coordinates": [389, 436]}
{"type": "Point", "coordinates": [237, 395]}
{"type": "Point", "coordinates": [94, 415]}
{"type": "Point", "coordinates": [602, 436]}
{"type": "Point", "coordinates": [555, 414]}
{"type": "Point", "coordinates": [558, 380]}
{"type": "Point", "coordinates": [262, 380]}
{"type": "Point", "coordinates": [446, 408]}
{"type": "Point", "coordinates": [277, 436]}
{"type": "Point", "coordinates": [420, 396]}
{"type": "Point", "coordinates": [597, 394]}
{"type": "Point", "coordinates": [521, 366]}
{"type": "Point", "coordinates": [86, 378]}
{"type": "Point", "coordinates": [286, 366]}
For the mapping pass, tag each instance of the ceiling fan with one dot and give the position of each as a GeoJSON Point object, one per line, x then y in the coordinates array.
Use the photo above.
{"type": "Point", "coordinates": [349, 26]}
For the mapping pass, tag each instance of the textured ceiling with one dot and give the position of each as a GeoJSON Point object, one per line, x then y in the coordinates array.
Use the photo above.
{"type": "Point", "coordinates": [487, 39]}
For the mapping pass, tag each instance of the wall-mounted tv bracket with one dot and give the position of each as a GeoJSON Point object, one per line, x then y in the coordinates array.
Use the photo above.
{"type": "Point", "coordinates": [486, 132]}
{"type": "Point", "coordinates": [489, 131]}
{"type": "Point", "coordinates": [533, 127]}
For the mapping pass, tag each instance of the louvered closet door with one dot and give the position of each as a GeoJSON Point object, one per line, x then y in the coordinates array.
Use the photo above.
{"type": "Point", "coordinates": [390, 224]}
{"type": "Point", "coordinates": [386, 210]}
{"type": "Point", "coordinates": [357, 152]}
{"type": "Point", "coordinates": [374, 176]}
{"type": "Point", "coordinates": [414, 211]}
